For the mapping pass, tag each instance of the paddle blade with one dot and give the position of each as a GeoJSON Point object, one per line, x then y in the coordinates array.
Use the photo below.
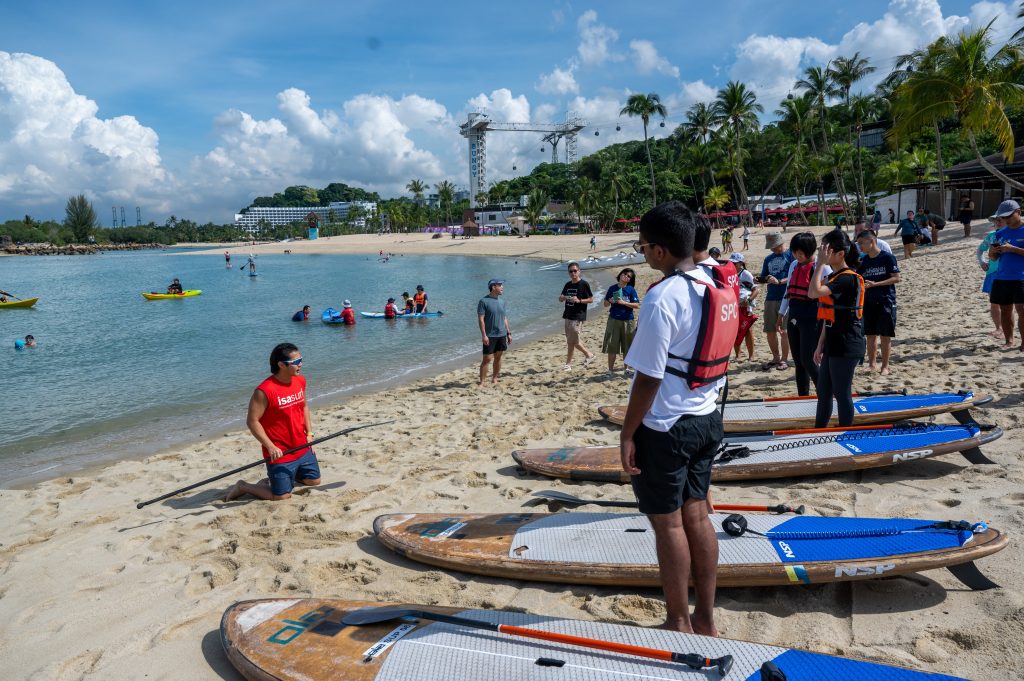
{"type": "Point", "coordinates": [375, 615]}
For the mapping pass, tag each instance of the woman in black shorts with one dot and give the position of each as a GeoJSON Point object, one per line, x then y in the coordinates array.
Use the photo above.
{"type": "Point", "coordinates": [841, 343]}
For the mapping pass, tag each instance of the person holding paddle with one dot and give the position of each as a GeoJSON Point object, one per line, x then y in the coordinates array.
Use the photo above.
{"type": "Point", "coordinates": [279, 420]}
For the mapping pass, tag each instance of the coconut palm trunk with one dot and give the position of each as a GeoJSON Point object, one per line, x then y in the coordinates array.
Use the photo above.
{"type": "Point", "coordinates": [988, 166]}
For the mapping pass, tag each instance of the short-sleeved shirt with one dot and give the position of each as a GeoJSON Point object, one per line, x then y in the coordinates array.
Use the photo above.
{"type": "Point", "coordinates": [622, 312]}
{"type": "Point", "coordinates": [845, 336]}
{"type": "Point", "coordinates": [576, 311]}
{"type": "Point", "coordinates": [879, 268]}
{"type": "Point", "coordinates": [670, 319]}
{"type": "Point", "coordinates": [1011, 265]}
{"type": "Point", "coordinates": [776, 265]}
{"type": "Point", "coordinates": [493, 310]}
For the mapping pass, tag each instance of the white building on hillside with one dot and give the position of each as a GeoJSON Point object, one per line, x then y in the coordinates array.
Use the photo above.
{"type": "Point", "coordinates": [251, 217]}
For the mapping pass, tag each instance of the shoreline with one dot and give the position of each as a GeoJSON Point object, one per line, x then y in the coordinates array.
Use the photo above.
{"type": "Point", "coordinates": [144, 590]}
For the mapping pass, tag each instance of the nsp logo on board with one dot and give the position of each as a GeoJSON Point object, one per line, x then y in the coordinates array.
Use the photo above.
{"type": "Point", "coordinates": [910, 456]}
{"type": "Point", "coordinates": [863, 570]}
{"type": "Point", "coordinates": [786, 550]}
{"type": "Point", "coordinates": [293, 628]}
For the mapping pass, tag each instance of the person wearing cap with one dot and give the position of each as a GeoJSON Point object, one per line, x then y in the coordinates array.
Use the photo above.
{"type": "Point", "coordinates": [390, 311]}
{"type": "Point", "coordinates": [774, 273]}
{"type": "Point", "coordinates": [990, 267]}
{"type": "Point", "coordinates": [748, 295]}
{"type": "Point", "coordinates": [576, 294]}
{"type": "Point", "coordinates": [420, 298]}
{"type": "Point", "coordinates": [410, 306]}
{"type": "Point", "coordinates": [348, 315]}
{"type": "Point", "coordinates": [966, 213]}
{"type": "Point", "coordinates": [880, 272]}
{"type": "Point", "coordinates": [1008, 285]}
{"type": "Point", "coordinates": [494, 329]}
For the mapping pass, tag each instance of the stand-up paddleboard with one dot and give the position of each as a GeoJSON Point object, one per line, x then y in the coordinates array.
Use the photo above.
{"type": "Point", "coordinates": [758, 457]}
{"type": "Point", "coordinates": [791, 413]}
{"type": "Point", "coordinates": [410, 315]}
{"type": "Point", "coordinates": [190, 293]}
{"type": "Point", "coordinates": [618, 549]}
{"type": "Point", "coordinates": [254, 274]}
{"type": "Point", "coordinates": [308, 638]}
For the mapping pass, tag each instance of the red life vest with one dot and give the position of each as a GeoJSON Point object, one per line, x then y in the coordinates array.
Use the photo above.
{"type": "Point", "coordinates": [719, 325]}
{"type": "Point", "coordinates": [390, 311]}
{"type": "Point", "coordinates": [800, 282]}
{"type": "Point", "coordinates": [284, 419]}
{"type": "Point", "coordinates": [827, 306]}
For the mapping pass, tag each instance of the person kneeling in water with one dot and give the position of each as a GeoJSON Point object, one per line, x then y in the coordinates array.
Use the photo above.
{"type": "Point", "coordinates": [279, 420]}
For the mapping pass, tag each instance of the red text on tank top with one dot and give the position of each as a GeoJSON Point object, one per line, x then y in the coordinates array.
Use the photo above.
{"type": "Point", "coordinates": [285, 417]}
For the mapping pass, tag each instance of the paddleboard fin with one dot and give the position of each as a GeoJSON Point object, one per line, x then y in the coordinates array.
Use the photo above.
{"type": "Point", "coordinates": [771, 672]}
{"type": "Point", "coordinates": [963, 417]}
{"type": "Point", "coordinates": [971, 577]}
{"type": "Point", "coordinates": [975, 456]}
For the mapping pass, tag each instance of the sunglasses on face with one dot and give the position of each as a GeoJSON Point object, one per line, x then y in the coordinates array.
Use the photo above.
{"type": "Point", "coordinates": [293, 362]}
{"type": "Point", "coordinates": [639, 247]}
{"type": "Point", "coordinates": [573, 271]}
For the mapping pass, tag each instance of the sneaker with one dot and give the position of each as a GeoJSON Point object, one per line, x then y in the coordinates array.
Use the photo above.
{"type": "Point", "coordinates": [588, 360]}
{"type": "Point", "coordinates": [566, 367]}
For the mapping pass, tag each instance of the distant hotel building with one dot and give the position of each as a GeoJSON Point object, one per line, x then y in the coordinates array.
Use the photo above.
{"type": "Point", "coordinates": [251, 217]}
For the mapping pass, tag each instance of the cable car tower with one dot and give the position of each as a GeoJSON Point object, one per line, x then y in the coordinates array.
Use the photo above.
{"type": "Point", "coordinates": [478, 124]}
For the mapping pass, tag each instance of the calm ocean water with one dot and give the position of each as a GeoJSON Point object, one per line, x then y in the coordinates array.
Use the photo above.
{"type": "Point", "coordinates": [116, 376]}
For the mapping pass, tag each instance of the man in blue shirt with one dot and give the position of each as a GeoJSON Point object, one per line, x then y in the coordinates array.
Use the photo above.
{"type": "Point", "coordinates": [774, 271]}
{"type": "Point", "coordinates": [880, 272]}
{"type": "Point", "coordinates": [1008, 285]}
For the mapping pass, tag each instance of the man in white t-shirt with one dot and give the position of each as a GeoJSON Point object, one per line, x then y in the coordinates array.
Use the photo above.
{"type": "Point", "coordinates": [671, 433]}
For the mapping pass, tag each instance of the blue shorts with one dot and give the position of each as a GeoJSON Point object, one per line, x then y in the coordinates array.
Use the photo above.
{"type": "Point", "coordinates": [283, 475]}
{"type": "Point", "coordinates": [987, 286]}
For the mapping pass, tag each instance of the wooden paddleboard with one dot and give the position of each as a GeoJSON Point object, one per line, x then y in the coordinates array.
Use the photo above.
{"type": "Point", "coordinates": [275, 639]}
{"type": "Point", "coordinates": [617, 549]}
{"type": "Point", "coordinates": [786, 414]}
{"type": "Point", "coordinates": [781, 456]}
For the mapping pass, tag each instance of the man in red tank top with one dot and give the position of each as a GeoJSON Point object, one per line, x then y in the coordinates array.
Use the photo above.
{"type": "Point", "coordinates": [279, 419]}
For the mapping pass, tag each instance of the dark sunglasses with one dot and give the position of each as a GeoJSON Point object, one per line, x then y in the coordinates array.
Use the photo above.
{"type": "Point", "coordinates": [293, 362]}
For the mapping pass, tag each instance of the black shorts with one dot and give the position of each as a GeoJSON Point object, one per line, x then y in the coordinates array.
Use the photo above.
{"type": "Point", "coordinates": [496, 344]}
{"type": "Point", "coordinates": [912, 239]}
{"type": "Point", "coordinates": [880, 319]}
{"type": "Point", "coordinates": [1007, 292]}
{"type": "Point", "coordinates": [675, 466]}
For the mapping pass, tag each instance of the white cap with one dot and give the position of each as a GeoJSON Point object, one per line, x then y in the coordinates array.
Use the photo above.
{"type": "Point", "coordinates": [737, 257]}
{"type": "Point", "coordinates": [348, 303]}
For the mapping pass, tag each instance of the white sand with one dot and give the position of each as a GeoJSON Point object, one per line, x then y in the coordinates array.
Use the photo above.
{"type": "Point", "coordinates": [90, 587]}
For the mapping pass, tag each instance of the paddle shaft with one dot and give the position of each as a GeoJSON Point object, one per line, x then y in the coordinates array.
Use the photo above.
{"type": "Point", "coordinates": [692, 660]}
{"type": "Point", "coordinates": [257, 463]}
{"type": "Point", "coordinates": [568, 499]}
{"type": "Point", "coordinates": [790, 398]}
{"type": "Point", "coordinates": [8, 293]}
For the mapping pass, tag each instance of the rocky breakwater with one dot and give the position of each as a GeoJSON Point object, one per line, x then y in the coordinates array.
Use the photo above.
{"type": "Point", "coordinates": [73, 249]}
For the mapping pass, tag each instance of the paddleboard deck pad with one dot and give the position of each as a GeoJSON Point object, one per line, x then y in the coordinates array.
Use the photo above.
{"type": "Point", "coordinates": [769, 415]}
{"type": "Point", "coordinates": [274, 639]}
{"type": "Point", "coordinates": [750, 457]}
{"type": "Point", "coordinates": [617, 549]}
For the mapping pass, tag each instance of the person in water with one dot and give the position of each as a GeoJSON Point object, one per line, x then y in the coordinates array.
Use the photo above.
{"type": "Point", "coordinates": [302, 315]}
{"type": "Point", "coordinates": [348, 315]}
{"type": "Point", "coordinates": [279, 419]}
{"type": "Point", "coordinates": [420, 299]}
{"type": "Point", "coordinates": [390, 311]}
{"type": "Point", "coordinates": [410, 306]}
{"type": "Point", "coordinates": [227, 257]}
{"type": "Point", "coordinates": [175, 288]}
{"type": "Point", "coordinates": [30, 341]}
{"type": "Point", "coordinates": [841, 343]}
{"type": "Point", "coordinates": [251, 262]}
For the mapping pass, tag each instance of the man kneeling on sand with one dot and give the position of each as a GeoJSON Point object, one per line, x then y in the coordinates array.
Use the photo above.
{"type": "Point", "coordinates": [279, 419]}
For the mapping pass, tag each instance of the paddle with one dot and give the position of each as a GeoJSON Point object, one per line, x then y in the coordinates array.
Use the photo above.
{"type": "Point", "coordinates": [691, 660]}
{"type": "Point", "coordinates": [257, 463]}
{"type": "Point", "coordinates": [570, 500]}
{"type": "Point", "coordinates": [5, 293]}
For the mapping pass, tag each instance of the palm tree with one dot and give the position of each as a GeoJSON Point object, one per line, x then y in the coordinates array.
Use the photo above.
{"type": "Point", "coordinates": [700, 123]}
{"type": "Point", "coordinates": [446, 194]}
{"type": "Point", "coordinates": [615, 183]}
{"type": "Point", "coordinates": [716, 198]}
{"type": "Point", "coordinates": [536, 202]}
{"type": "Point", "coordinates": [846, 71]}
{"type": "Point", "coordinates": [819, 87]}
{"type": "Point", "coordinates": [645, 106]}
{"type": "Point", "coordinates": [972, 83]}
{"type": "Point", "coordinates": [737, 108]}
{"type": "Point", "coordinates": [584, 198]}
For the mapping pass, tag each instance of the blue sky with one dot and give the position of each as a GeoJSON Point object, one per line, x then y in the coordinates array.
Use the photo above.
{"type": "Point", "coordinates": [193, 108]}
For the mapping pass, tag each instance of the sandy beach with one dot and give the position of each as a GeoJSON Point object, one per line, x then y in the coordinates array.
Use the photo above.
{"type": "Point", "coordinates": [91, 588]}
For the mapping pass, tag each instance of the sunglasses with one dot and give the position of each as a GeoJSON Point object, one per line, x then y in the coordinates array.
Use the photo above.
{"type": "Point", "coordinates": [573, 271]}
{"type": "Point", "coordinates": [639, 247]}
{"type": "Point", "coordinates": [293, 362]}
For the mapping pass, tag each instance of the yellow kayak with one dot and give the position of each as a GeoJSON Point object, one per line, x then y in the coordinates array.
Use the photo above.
{"type": "Point", "coordinates": [171, 296]}
{"type": "Point", "coordinates": [19, 303]}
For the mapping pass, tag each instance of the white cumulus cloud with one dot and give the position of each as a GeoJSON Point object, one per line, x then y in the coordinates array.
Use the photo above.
{"type": "Point", "coordinates": [647, 59]}
{"type": "Point", "coordinates": [559, 82]}
{"type": "Point", "coordinates": [596, 40]}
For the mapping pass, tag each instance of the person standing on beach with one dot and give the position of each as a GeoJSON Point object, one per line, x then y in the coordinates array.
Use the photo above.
{"type": "Point", "coordinates": [1008, 286]}
{"type": "Point", "coordinates": [990, 267]}
{"type": "Point", "coordinates": [799, 312]}
{"type": "Point", "coordinates": [880, 272]}
{"type": "Point", "coordinates": [892, 217]}
{"type": "Point", "coordinates": [593, 243]}
{"type": "Point", "coordinates": [774, 271]}
{"type": "Point", "coordinates": [494, 329]}
{"type": "Point", "coordinates": [621, 299]}
{"type": "Point", "coordinates": [671, 432]}
{"type": "Point", "coordinates": [936, 223]}
{"type": "Point", "coordinates": [279, 419]}
{"type": "Point", "coordinates": [966, 213]}
{"type": "Point", "coordinates": [576, 294]}
{"type": "Point", "coordinates": [910, 233]}
{"type": "Point", "coordinates": [841, 342]}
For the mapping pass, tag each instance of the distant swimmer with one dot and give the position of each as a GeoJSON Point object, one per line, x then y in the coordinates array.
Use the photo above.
{"type": "Point", "coordinates": [175, 288]}
{"type": "Point", "coordinates": [302, 315]}
{"type": "Point", "coordinates": [390, 310]}
{"type": "Point", "coordinates": [30, 341]}
{"type": "Point", "coordinates": [420, 299]}
{"type": "Point", "coordinates": [279, 419]}
{"type": "Point", "coordinates": [348, 315]}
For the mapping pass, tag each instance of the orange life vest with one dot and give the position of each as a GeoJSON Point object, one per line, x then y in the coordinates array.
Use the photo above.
{"type": "Point", "coordinates": [420, 297]}
{"type": "Point", "coordinates": [800, 281]}
{"type": "Point", "coordinates": [827, 306]}
{"type": "Point", "coordinates": [719, 324]}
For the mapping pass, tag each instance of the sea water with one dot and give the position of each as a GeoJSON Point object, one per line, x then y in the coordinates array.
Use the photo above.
{"type": "Point", "coordinates": [116, 376]}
